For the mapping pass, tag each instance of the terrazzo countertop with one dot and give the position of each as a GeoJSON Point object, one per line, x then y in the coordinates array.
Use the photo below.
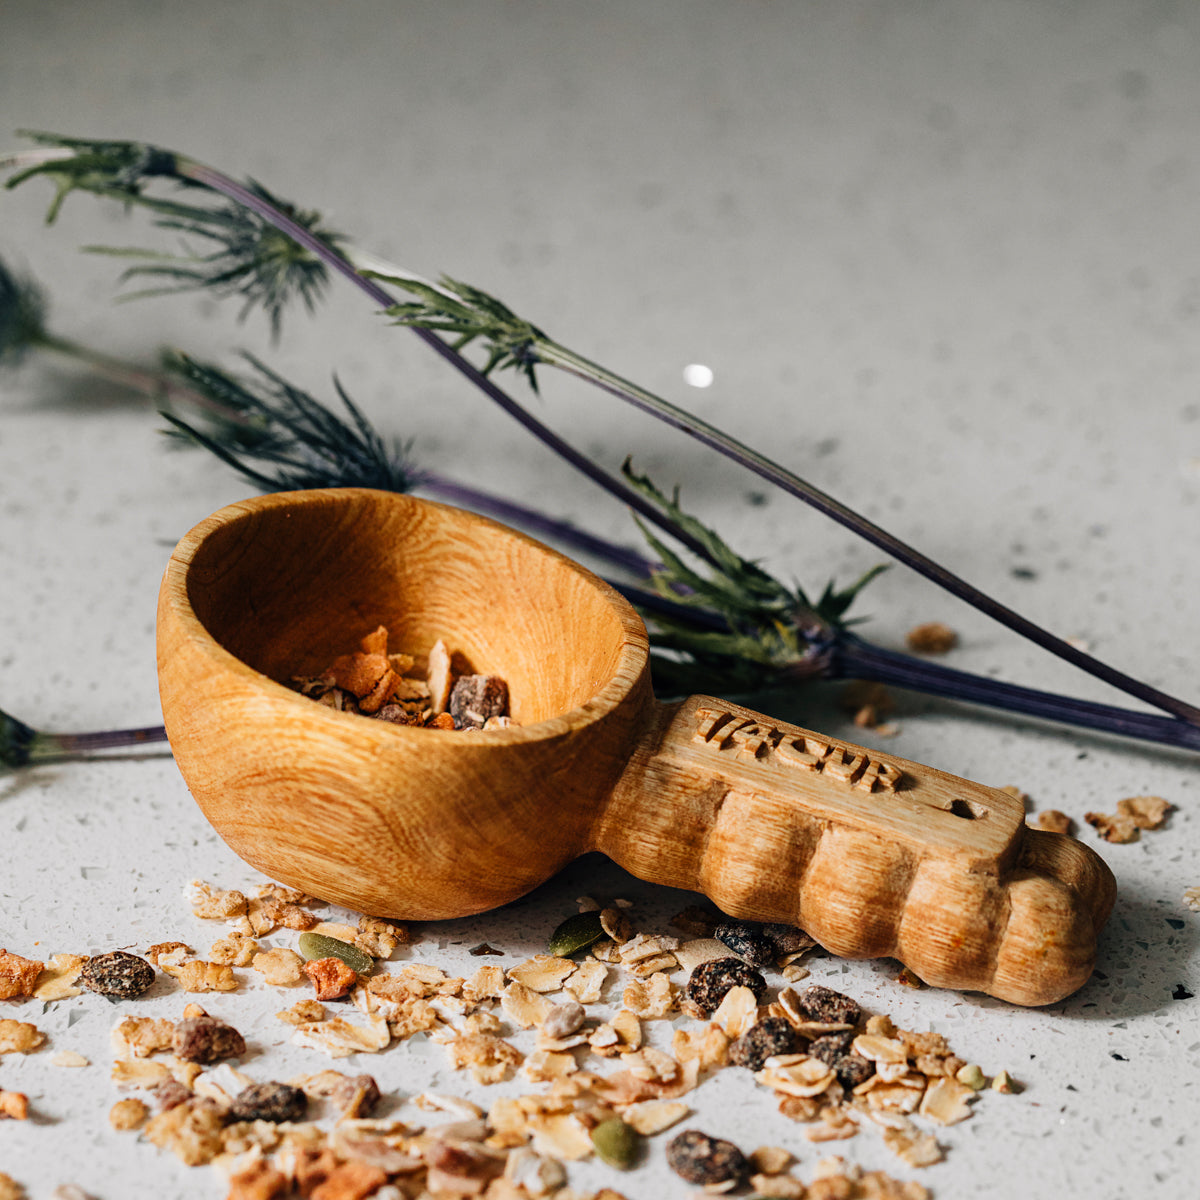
{"type": "Point", "coordinates": [940, 260]}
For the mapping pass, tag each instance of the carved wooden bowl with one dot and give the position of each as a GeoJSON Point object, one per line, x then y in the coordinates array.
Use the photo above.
{"type": "Point", "coordinates": [871, 854]}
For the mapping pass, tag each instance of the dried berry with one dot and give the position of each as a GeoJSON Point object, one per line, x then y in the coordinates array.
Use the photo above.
{"type": "Point", "coordinates": [616, 1143]}
{"type": "Point", "coordinates": [576, 933]}
{"type": "Point", "coordinates": [747, 941]}
{"type": "Point", "coordinates": [331, 977]}
{"type": "Point", "coordinates": [830, 1047]}
{"type": "Point", "coordinates": [824, 1004]}
{"type": "Point", "coordinates": [698, 1158]}
{"type": "Point", "coordinates": [709, 982]}
{"type": "Point", "coordinates": [852, 1069]}
{"type": "Point", "coordinates": [206, 1040]}
{"type": "Point", "coordinates": [475, 698]}
{"type": "Point", "coordinates": [317, 945]}
{"type": "Point", "coordinates": [269, 1102]}
{"type": "Point", "coordinates": [117, 974]}
{"type": "Point", "coordinates": [772, 1035]}
{"type": "Point", "coordinates": [789, 939]}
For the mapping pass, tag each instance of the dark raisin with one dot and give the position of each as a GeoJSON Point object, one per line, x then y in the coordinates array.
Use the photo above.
{"type": "Point", "coordinates": [824, 1004]}
{"type": "Point", "coordinates": [475, 698]}
{"type": "Point", "coordinates": [269, 1102]}
{"type": "Point", "coordinates": [748, 942]}
{"type": "Point", "coordinates": [788, 939]}
{"type": "Point", "coordinates": [853, 1069]}
{"type": "Point", "coordinates": [829, 1047]}
{"type": "Point", "coordinates": [710, 981]}
{"type": "Point", "coordinates": [698, 1158]}
{"type": "Point", "coordinates": [772, 1035]}
{"type": "Point", "coordinates": [206, 1040]}
{"type": "Point", "coordinates": [118, 974]}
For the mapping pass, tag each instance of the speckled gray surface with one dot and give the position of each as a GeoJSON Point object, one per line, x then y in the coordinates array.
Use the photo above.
{"type": "Point", "coordinates": [941, 259]}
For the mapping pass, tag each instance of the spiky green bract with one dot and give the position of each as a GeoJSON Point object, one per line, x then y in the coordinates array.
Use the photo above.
{"type": "Point", "coordinates": [242, 255]}
{"type": "Point", "coordinates": [22, 316]}
{"type": "Point", "coordinates": [467, 313]}
{"type": "Point", "coordinates": [770, 626]}
{"type": "Point", "coordinates": [282, 438]}
{"type": "Point", "coordinates": [107, 168]}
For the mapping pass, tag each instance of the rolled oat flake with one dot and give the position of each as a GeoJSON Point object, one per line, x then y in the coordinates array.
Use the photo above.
{"type": "Point", "coordinates": [698, 1158]}
{"type": "Point", "coordinates": [117, 974]}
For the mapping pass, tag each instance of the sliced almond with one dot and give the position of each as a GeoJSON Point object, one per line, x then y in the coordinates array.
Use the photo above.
{"type": "Point", "coordinates": [543, 972]}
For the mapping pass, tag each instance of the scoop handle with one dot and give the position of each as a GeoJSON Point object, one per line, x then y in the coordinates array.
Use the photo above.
{"type": "Point", "coordinates": [871, 854]}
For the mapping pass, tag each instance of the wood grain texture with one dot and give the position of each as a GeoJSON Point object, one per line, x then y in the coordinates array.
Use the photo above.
{"type": "Point", "coordinates": [871, 854]}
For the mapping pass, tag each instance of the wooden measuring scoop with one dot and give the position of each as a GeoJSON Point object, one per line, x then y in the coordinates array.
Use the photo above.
{"type": "Point", "coordinates": [871, 854]}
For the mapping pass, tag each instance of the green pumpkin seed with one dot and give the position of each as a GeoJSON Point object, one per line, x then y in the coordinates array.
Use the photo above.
{"type": "Point", "coordinates": [616, 1143]}
{"type": "Point", "coordinates": [576, 933]}
{"type": "Point", "coordinates": [317, 945]}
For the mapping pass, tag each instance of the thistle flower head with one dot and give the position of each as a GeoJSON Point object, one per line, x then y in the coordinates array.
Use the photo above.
{"type": "Point", "coordinates": [769, 626]}
{"type": "Point", "coordinates": [282, 438]}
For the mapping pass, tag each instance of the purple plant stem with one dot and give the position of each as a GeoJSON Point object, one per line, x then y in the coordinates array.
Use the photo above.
{"type": "Point", "coordinates": [57, 745]}
{"type": "Point", "coordinates": [598, 376]}
{"type": "Point", "coordinates": [852, 658]}
{"type": "Point", "coordinates": [624, 557]}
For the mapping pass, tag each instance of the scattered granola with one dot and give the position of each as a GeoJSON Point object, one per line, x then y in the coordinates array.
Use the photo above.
{"type": "Point", "coordinates": [280, 966]}
{"type": "Point", "coordinates": [1146, 812]}
{"type": "Point", "coordinates": [303, 1012]}
{"type": "Point", "coordinates": [274, 1102]}
{"type": "Point", "coordinates": [374, 683]}
{"type": "Point", "coordinates": [69, 1058]}
{"type": "Point", "coordinates": [320, 946]}
{"type": "Point", "coordinates": [196, 975]}
{"type": "Point", "coordinates": [14, 1106]}
{"type": "Point", "coordinates": [139, 1037]}
{"type": "Point", "coordinates": [19, 1037]}
{"type": "Point", "coordinates": [175, 951]}
{"type": "Point", "coordinates": [823, 1004]}
{"type": "Point", "coordinates": [235, 951]}
{"type": "Point", "coordinates": [331, 977]}
{"type": "Point", "coordinates": [708, 983]}
{"type": "Point", "coordinates": [1132, 816]}
{"type": "Point", "coordinates": [931, 638]}
{"type": "Point", "coordinates": [810, 1049]}
{"type": "Point", "coordinates": [576, 933]}
{"type": "Point", "coordinates": [117, 974]}
{"type": "Point", "coordinates": [1191, 898]}
{"type": "Point", "coordinates": [706, 1160]}
{"type": "Point", "coordinates": [475, 699]}
{"type": "Point", "coordinates": [1054, 821]}
{"type": "Point", "coordinates": [617, 1143]}
{"type": "Point", "coordinates": [18, 976]}
{"type": "Point", "coordinates": [206, 1040]}
{"type": "Point", "coordinates": [748, 942]}
{"type": "Point", "coordinates": [58, 977]}
{"type": "Point", "coordinates": [771, 1035]}
{"type": "Point", "coordinates": [127, 1114]}
{"type": "Point", "coordinates": [191, 1130]}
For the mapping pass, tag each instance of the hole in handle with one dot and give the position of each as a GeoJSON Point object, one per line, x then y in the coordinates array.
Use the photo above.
{"type": "Point", "coordinates": [968, 810]}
